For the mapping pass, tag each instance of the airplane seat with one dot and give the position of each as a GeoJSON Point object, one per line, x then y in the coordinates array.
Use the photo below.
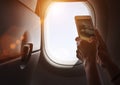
{"type": "Point", "coordinates": [15, 20]}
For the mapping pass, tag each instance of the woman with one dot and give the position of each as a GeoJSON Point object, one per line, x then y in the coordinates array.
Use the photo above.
{"type": "Point", "coordinates": [95, 51]}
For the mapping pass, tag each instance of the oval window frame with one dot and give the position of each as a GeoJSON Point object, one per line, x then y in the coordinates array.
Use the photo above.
{"type": "Point", "coordinates": [48, 59]}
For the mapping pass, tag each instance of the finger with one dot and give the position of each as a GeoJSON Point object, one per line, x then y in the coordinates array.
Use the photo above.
{"type": "Point", "coordinates": [92, 39]}
{"type": "Point", "coordinates": [78, 54]}
{"type": "Point", "coordinates": [98, 59]}
{"type": "Point", "coordinates": [99, 37]}
{"type": "Point", "coordinates": [81, 52]}
{"type": "Point", "coordinates": [77, 38]}
{"type": "Point", "coordinates": [83, 45]}
{"type": "Point", "coordinates": [79, 43]}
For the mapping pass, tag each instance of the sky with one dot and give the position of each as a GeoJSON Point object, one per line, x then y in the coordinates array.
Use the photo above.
{"type": "Point", "coordinates": [60, 31]}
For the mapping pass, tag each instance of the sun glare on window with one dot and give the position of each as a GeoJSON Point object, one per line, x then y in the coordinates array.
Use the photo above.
{"type": "Point", "coordinates": [60, 31]}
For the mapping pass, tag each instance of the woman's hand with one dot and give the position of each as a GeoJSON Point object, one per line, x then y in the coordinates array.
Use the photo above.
{"type": "Point", "coordinates": [87, 50]}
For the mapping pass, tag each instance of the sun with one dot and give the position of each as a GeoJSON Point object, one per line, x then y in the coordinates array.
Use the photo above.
{"type": "Point", "coordinates": [55, 9]}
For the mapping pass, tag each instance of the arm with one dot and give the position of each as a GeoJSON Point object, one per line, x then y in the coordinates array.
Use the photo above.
{"type": "Point", "coordinates": [87, 53]}
{"type": "Point", "coordinates": [105, 61]}
{"type": "Point", "coordinates": [92, 74]}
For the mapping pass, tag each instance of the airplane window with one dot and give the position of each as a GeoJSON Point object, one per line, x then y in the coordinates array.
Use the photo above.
{"type": "Point", "coordinates": [60, 31]}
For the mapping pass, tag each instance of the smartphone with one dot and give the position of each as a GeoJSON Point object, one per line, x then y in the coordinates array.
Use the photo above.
{"type": "Point", "coordinates": [85, 27]}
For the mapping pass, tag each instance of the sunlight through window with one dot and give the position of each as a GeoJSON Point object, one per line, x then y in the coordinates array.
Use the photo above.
{"type": "Point", "coordinates": [60, 31]}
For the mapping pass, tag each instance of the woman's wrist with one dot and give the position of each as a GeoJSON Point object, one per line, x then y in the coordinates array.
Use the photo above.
{"type": "Point", "coordinates": [89, 63]}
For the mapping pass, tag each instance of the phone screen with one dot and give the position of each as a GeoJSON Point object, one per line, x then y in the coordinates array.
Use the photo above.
{"type": "Point", "coordinates": [85, 27]}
